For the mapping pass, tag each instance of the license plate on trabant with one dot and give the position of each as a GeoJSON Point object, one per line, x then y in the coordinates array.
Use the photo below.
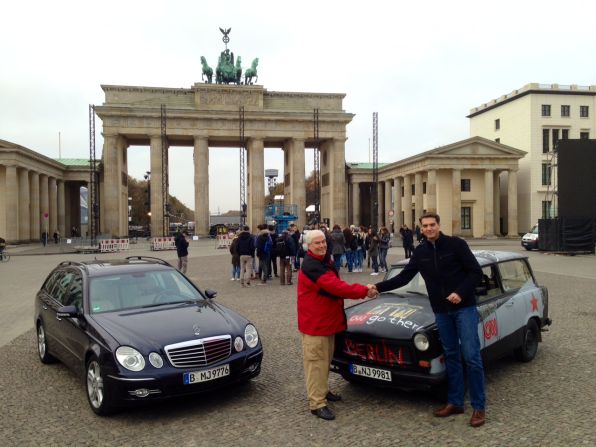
{"type": "Point", "coordinates": [204, 376]}
{"type": "Point", "coordinates": [371, 373]}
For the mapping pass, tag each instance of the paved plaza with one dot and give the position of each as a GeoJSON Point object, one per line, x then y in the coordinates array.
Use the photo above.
{"type": "Point", "coordinates": [542, 403]}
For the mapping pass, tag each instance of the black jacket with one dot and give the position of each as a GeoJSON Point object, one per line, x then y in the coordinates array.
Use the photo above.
{"type": "Point", "coordinates": [447, 266]}
{"type": "Point", "coordinates": [245, 246]}
{"type": "Point", "coordinates": [181, 245]}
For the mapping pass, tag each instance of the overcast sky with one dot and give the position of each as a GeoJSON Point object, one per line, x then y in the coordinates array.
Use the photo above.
{"type": "Point", "coordinates": [421, 65]}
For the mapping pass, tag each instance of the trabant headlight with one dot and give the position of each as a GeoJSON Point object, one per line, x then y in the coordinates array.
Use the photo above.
{"type": "Point", "coordinates": [130, 358]}
{"type": "Point", "coordinates": [156, 360]}
{"type": "Point", "coordinates": [421, 342]}
{"type": "Point", "coordinates": [251, 336]}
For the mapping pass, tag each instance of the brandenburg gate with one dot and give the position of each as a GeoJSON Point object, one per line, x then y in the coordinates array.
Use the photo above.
{"type": "Point", "coordinates": [207, 116]}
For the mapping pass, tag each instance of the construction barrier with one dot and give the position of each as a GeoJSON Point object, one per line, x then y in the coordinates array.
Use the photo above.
{"type": "Point", "coordinates": [163, 243]}
{"type": "Point", "coordinates": [224, 240]}
{"type": "Point", "coordinates": [113, 245]}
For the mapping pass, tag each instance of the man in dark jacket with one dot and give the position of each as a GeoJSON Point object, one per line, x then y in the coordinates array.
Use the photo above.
{"type": "Point", "coordinates": [246, 250]}
{"type": "Point", "coordinates": [264, 245]}
{"type": "Point", "coordinates": [321, 295]}
{"type": "Point", "coordinates": [181, 242]}
{"type": "Point", "coordinates": [451, 274]}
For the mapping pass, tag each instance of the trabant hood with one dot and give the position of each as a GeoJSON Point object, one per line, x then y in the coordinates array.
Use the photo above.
{"type": "Point", "coordinates": [390, 316]}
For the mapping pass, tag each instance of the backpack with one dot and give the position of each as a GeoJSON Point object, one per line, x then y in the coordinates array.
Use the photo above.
{"type": "Point", "coordinates": [281, 249]}
{"type": "Point", "coordinates": [268, 245]}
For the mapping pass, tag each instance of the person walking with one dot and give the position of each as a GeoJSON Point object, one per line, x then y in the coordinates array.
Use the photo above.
{"type": "Point", "coordinates": [451, 273]}
{"type": "Point", "coordinates": [339, 246]}
{"type": "Point", "coordinates": [373, 250]}
{"type": "Point", "coordinates": [359, 237]}
{"type": "Point", "coordinates": [285, 244]}
{"type": "Point", "coordinates": [350, 248]}
{"type": "Point", "coordinates": [264, 245]}
{"type": "Point", "coordinates": [273, 252]}
{"type": "Point", "coordinates": [320, 311]}
{"type": "Point", "coordinates": [235, 259]}
{"type": "Point", "coordinates": [384, 238]}
{"type": "Point", "coordinates": [181, 242]}
{"type": "Point", "coordinates": [246, 251]}
{"type": "Point", "coordinates": [407, 240]}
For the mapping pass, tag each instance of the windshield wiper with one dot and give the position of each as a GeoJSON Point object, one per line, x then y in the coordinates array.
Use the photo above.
{"type": "Point", "coordinates": [169, 302]}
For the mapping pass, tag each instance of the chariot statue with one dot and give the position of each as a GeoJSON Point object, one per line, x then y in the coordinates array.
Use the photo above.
{"type": "Point", "coordinates": [228, 72]}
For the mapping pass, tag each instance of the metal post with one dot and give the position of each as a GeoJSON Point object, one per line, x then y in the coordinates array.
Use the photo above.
{"type": "Point", "coordinates": [164, 171]}
{"type": "Point", "coordinates": [92, 192]}
{"type": "Point", "coordinates": [317, 167]}
{"type": "Point", "coordinates": [375, 187]}
{"type": "Point", "coordinates": [242, 168]}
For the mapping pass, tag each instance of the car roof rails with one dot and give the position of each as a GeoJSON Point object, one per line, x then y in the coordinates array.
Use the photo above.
{"type": "Point", "coordinates": [76, 263]}
{"type": "Point", "coordinates": [151, 258]}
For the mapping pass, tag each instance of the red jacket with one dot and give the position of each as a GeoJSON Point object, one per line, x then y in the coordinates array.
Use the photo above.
{"type": "Point", "coordinates": [321, 295]}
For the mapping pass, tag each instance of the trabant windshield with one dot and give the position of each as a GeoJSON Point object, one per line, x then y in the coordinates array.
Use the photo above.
{"type": "Point", "coordinates": [416, 286]}
{"type": "Point", "coordinates": [139, 289]}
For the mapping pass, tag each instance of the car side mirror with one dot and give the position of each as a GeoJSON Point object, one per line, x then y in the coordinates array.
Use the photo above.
{"type": "Point", "coordinates": [481, 290]}
{"type": "Point", "coordinates": [68, 312]}
{"type": "Point", "coordinates": [210, 293]}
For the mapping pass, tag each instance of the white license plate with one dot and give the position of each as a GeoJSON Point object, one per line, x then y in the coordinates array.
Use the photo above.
{"type": "Point", "coordinates": [371, 373]}
{"type": "Point", "coordinates": [204, 376]}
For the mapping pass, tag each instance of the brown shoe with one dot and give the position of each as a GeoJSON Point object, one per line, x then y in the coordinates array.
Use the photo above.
{"type": "Point", "coordinates": [478, 418]}
{"type": "Point", "coordinates": [448, 410]}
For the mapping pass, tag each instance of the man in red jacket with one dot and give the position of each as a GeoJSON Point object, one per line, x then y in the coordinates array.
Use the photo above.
{"type": "Point", "coordinates": [321, 295]}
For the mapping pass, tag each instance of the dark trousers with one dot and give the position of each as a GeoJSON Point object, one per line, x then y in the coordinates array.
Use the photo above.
{"type": "Point", "coordinates": [264, 267]}
{"type": "Point", "coordinates": [273, 264]}
{"type": "Point", "coordinates": [285, 271]}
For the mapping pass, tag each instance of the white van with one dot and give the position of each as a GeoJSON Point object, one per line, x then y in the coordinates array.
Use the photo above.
{"type": "Point", "coordinates": [530, 239]}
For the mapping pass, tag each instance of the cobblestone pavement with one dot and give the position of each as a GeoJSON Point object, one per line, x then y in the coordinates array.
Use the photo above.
{"type": "Point", "coordinates": [542, 403]}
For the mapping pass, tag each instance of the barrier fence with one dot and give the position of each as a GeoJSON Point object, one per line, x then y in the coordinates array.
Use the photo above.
{"type": "Point", "coordinates": [163, 243]}
{"type": "Point", "coordinates": [224, 240]}
{"type": "Point", "coordinates": [113, 245]}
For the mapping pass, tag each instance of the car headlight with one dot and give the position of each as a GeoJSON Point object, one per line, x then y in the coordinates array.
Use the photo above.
{"type": "Point", "coordinates": [421, 342]}
{"type": "Point", "coordinates": [238, 344]}
{"type": "Point", "coordinates": [251, 336]}
{"type": "Point", "coordinates": [130, 358]}
{"type": "Point", "coordinates": [155, 359]}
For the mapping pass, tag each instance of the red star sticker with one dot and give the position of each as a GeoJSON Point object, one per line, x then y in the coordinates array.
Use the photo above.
{"type": "Point", "coordinates": [534, 302]}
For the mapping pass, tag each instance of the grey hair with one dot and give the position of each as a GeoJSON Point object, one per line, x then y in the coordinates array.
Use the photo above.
{"type": "Point", "coordinates": [309, 236]}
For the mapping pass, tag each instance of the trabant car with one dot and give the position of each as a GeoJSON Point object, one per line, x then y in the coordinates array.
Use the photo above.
{"type": "Point", "coordinates": [138, 330]}
{"type": "Point", "coordinates": [393, 340]}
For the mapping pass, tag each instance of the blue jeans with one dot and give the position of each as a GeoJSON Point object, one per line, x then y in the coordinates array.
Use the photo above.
{"type": "Point", "coordinates": [383, 257]}
{"type": "Point", "coordinates": [459, 329]}
{"type": "Point", "coordinates": [358, 258]}
{"type": "Point", "coordinates": [337, 261]}
{"type": "Point", "coordinates": [350, 260]}
{"type": "Point", "coordinates": [236, 271]}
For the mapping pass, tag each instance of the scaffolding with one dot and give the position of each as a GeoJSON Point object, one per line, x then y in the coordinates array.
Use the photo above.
{"type": "Point", "coordinates": [550, 207]}
{"type": "Point", "coordinates": [375, 182]}
{"type": "Point", "coordinates": [93, 190]}
{"type": "Point", "coordinates": [164, 172]}
{"type": "Point", "coordinates": [242, 150]}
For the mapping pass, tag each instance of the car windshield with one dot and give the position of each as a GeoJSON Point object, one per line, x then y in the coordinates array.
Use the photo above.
{"type": "Point", "coordinates": [534, 229]}
{"type": "Point", "coordinates": [140, 289]}
{"type": "Point", "coordinates": [416, 286]}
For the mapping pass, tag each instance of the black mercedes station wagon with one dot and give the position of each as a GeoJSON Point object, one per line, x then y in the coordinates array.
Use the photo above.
{"type": "Point", "coordinates": [138, 330]}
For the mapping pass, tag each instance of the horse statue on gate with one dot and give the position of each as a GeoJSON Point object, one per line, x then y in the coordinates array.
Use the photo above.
{"type": "Point", "coordinates": [238, 70]}
{"type": "Point", "coordinates": [226, 71]}
{"type": "Point", "coordinates": [251, 72]}
{"type": "Point", "coordinates": [207, 71]}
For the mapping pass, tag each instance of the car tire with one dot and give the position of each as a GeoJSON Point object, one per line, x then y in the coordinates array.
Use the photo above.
{"type": "Point", "coordinates": [98, 393]}
{"type": "Point", "coordinates": [528, 248]}
{"type": "Point", "coordinates": [42, 345]}
{"type": "Point", "coordinates": [529, 347]}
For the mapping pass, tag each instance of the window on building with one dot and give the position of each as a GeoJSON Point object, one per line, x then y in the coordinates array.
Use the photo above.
{"type": "Point", "coordinates": [413, 188]}
{"type": "Point", "coordinates": [546, 172]}
{"type": "Point", "coordinates": [584, 111]}
{"type": "Point", "coordinates": [402, 191]}
{"type": "Point", "coordinates": [497, 140]}
{"type": "Point", "coordinates": [584, 135]}
{"type": "Point", "coordinates": [546, 209]}
{"type": "Point", "coordinates": [423, 187]}
{"type": "Point", "coordinates": [565, 110]}
{"type": "Point", "coordinates": [555, 137]}
{"type": "Point", "coordinates": [545, 146]}
{"type": "Point", "coordinates": [466, 218]}
{"type": "Point", "coordinates": [497, 124]}
{"type": "Point", "coordinates": [466, 184]}
{"type": "Point", "coordinates": [545, 109]}
{"type": "Point", "coordinates": [565, 134]}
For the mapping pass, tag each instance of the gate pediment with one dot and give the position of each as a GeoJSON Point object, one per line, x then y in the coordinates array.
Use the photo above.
{"type": "Point", "coordinates": [224, 97]}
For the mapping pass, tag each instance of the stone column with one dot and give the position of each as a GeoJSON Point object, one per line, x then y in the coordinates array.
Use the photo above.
{"type": "Point", "coordinates": [456, 202]}
{"type": "Point", "coordinates": [397, 203]}
{"type": "Point", "coordinates": [62, 209]}
{"type": "Point", "coordinates": [338, 182]}
{"type": "Point", "coordinates": [380, 204]}
{"type": "Point", "coordinates": [497, 202]}
{"type": "Point", "coordinates": [256, 183]}
{"type": "Point", "coordinates": [295, 153]}
{"type": "Point", "coordinates": [53, 192]}
{"type": "Point", "coordinates": [24, 213]}
{"type": "Point", "coordinates": [512, 231]}
{"type": "Point", "coordinates": [34, 213]}
{"type": "Point", "coordinates": [44, 199]}
{"type": "Point", "coordinates": [12, 201]}
{"type": "Point", "coordinates": [201, 162]}
{"type": "Point", "coordinates": [356, 203]}
{"type": "Point", "coordinates": [431, 191]}
{"type": "Point", "coordinates": [388, 202]}
{"type": "Point", "coordinates": [418, 197]}
{"type": "Point", "coordinates": [407, 202]}
{"type": "Point", "coordinates": [489, 206]}
{"type": "Point", "coordinates": [157, 191]}
{"type": "Point", "coordinates": [110, 203]}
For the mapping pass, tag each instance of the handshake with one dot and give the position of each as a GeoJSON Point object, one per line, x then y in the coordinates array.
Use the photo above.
{"type": "Point", "coordinates": [372, 291]}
